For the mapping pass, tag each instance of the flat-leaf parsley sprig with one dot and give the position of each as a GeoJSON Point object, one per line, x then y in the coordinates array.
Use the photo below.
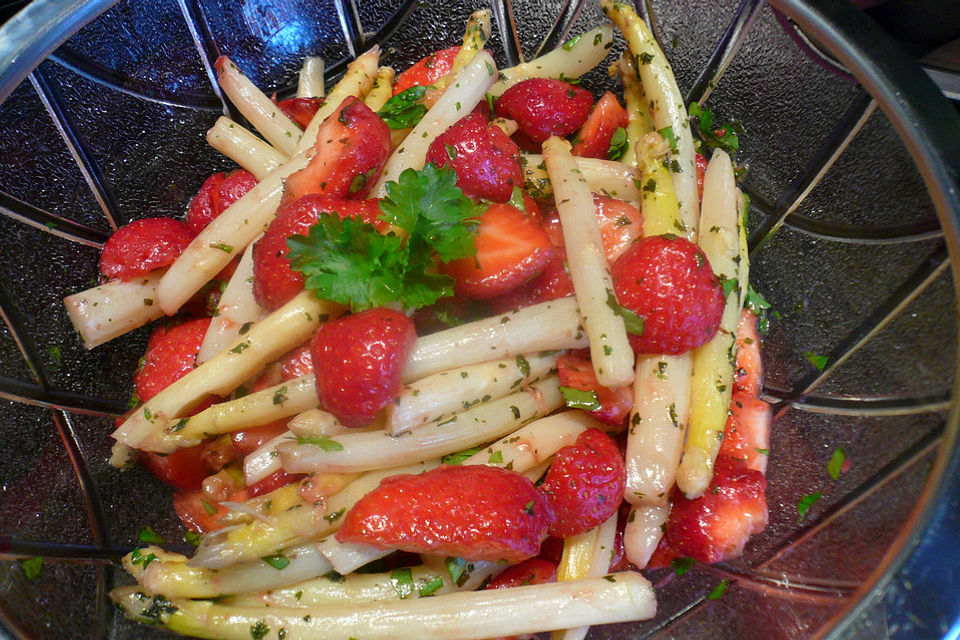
{"type": "Point", "coordinates": [350, 262]}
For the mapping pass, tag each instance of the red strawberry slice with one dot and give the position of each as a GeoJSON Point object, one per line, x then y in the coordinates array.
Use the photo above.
{"type": "Point", "coordinates": [300, 110]}
{"type": "Point", "coordinates": [296, 363]}
{"type": "Point", "coordinates": [474, 512]}
{"type": "Point", "coordinates": [358, 362]}
{"type": "Point", "coordinates": [543, 107]}
{"type": "Point", "coordinates": [717, 525]}
{"type": "Point", "coordinates": [185, 468]}
{"type": "Point", "coordinates": [532, 571]}
{"type": "Point", "coordinates": [620, 225]}
{"type": "Point", "coordinates": [351, 148]}
{"type": "Point", "coordinates": [272, 482]}
{"type": "Point", "coordinates": [553, 282]}
{"type": "Point", "coordinates": [701, 161]}
{"type": "Point", "coordinates": [511, 249]}
{"type": "Point", "coordinates": [142, 246]}
{"type": "Point", "coordinates": [218, 192]}
{"type": "Point", "coordinates": [274, 282]}
{"type": "Point", "coordinates": [249, 440]}
{"type": "Point", "coordinates": [593, 139]}
{"type": "Point", "coordinates": [669, 283]}
{"type": "Point", "coordinates": [485, 159]}
{"type": "Point", "coordinates": [746, 436]}
{"type": "Point", "coordinates": [171, 354]}
{"type": "Point", "coordinates": [584, 486]}
{"type": "Point", "coordinates": [748, 375]}
{"type": "Point", "coordinates": [427, 70]}
{"type": "Point", "coordinates": [575, 370]}
{"type": "Point", "coordinates": [200, 515]}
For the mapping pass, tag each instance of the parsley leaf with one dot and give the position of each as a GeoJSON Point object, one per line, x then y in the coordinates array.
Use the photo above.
{"type": "Point", "coordinates": [759, 306]}
{"type": "Point", "coordinates": [349, 262]}
{"type": "Point", "coordinates": [431, 587]}
{"type": "Point", "coordinates": [324, 442]}
{"type": "Point", "coordinates": [632, 322]}
{"type": "Point", "coordinates": [835, 466]}
{"type": "Point", "coordinates": [682, 565]}
{"type": "Point", "coordinates": [149, 536]}
{"type": "Point", "coordinates": [618, 144]}
{"type": "Point", "coordinates": [719, 590]}
{"type": "Point", "coordinates": [278, 561]}
{"type": "Point", "coordinates": [460, 456]}
{"type": "Point", "coordinates": [402, 580]}
{"type": "Point", "coordinates": [719, 137]}
{"type": "Point", "coordinates": [805, 503]}
{"type": "Point", "coordinates": [818, 361]}
{"type": "Point", "coordinates": [404, 110]}
{"type": "Point", "coordinates": [31, 567]}
{"type": "Point", "coordinates": [580, 399]}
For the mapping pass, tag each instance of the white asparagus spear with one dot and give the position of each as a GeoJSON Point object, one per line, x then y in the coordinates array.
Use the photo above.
{"type": "Point", "coordinates": [443, 394]}
{"type": "Point", "coordinates": [587, 555]}
{"type": "Point", "coordinates": [314, 422]}
{"type": "Point", "coordinates": [547, 326]}
{"type": "Point", "coordinates": [465, 615]}
{"type": "Point", "coordinates": [568, 62]}
{"type": "Point", "coordinates": [643, 531]}
{"type": "Point", "coordinates": [661, 406]}
{"type": "Point", "coordinates": [714, 362]}
{"type": "Point", "coordinates": [376, 450]}
{"type": "Point", "coordinates": [236, 312]}
{"type": "Point", "coordinates": [221, 240]}
{"type": "Point", "coordinates": [265, 460]}
{"type": "Point", "coordinates": [608, 177]}
{"type": "Point", "coordinates": [171, 575]}
{"type": "Point", "coordinates": [381, 90]}
{"type": "Point", "coordinates": [310, 81]}
{"type": "Point", "coordinates": [639, 122]}
{"type": "Point", "coordinates": [114, 308]}
{"type": "Point", "coordinates": [279, 130]}
{"type": "Point", "coordinates": [254, 540]}
{"type": "Point", "coordinates": [610, 351]}
{"type": "Point", "coordinates": [247, 150]}
{"type": "Point", "coordinates": [266, 341]}
{"type": "Point", "coordinates": [667, 108]}
{"type": "Point", "coordinates": [356, 81]}
{"type": "Point", "coordinates": [466, 92]}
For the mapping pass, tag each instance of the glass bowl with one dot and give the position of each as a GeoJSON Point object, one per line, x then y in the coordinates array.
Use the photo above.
{"type": "Point", "coordinates": [853, 161]}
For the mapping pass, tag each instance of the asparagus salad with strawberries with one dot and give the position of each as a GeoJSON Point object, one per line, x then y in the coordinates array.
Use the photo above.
{"type": "Point", "coordinates": [453, 354]}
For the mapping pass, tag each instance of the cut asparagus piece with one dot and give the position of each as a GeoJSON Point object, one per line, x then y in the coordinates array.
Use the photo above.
{"type": "Point", "coordinates": [247, 150]}
{"type": "Point", "coordinates": [639, 122]}
{"type": "Point", "coordinates": [569, 62]}
{"type": "Point", "coordinates": [279, 130]}
{"type": "Point", "coordinates": [377, 450]}
{"type": "Point", "coordinates": [441, 395]}
{"type": "Point", "coordinates": [610, 351]}
{"type": "Point", "coordinates": [382, 89]}
{"type": "Point", "coordinates": [114, 308]}
{"type": "Point", "coordinates": [490, 613]}
{"type": "Point", "coordinates": [645, 526]}
{"type": "Point", "coordinates": [547, 326]}
{"type": "Point", "coordinates": [285, 328]}
{"type": "Point", "coordinates": [310, 82]}
{"type": "Point", "coordinates": [475, 37]}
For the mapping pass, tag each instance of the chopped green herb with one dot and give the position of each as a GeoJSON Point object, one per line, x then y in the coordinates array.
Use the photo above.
{"type": "Point", "coordinates": [580, 399]}
{"type": "Point", "coordinates": [528, 508]}
{"type": "Point", "coordinates": [682, 565]}
{"type": "Point", "coordinates": [818, 361]}
{"type": "Point", "coordinates": [456, 568]}
{"type": "Point", "coordinates": [618, 144]}
{"type": "Point", "coordinates": [209, 508]}
{"type": "Point", "coordinates": [278, 561]}
{"type": "Point", "coordinates": [759, 306]}
{"type": "Point", "coordinates": [402, 580]}
{"type": "Point", "coordinates": [719, 590]}
{"type": "Point", "coordinates": [54, 353]}
{"type": "Point", "coordinates": [568, 45]}
{"type": "Point", "coordinates": [496, 457]}
{"type": "Point", "coordinates": [350, 262]}
{"type": "Point", "coordinates": [240, 347]}
{"type": "Point", "coordinates": [324, 442]}
{"type": "Point", "coordinates": [460, 456]}
{"type": "Point", "coordinates": [835, 466]}
{"type": "Point", "coordinates": [336, 515]}
{"type": "Point", "coordinates": [515, 411]}
{"type": "Point", "coordinates": [516, 200]}
{"type": "Point", "coordinates": [632, 322]}
{"type": "Point", "coordinates": [524, 365]}
{"type": "Point", "coordinates": [222, 246]}
{"type": "Point", "coordinates": [148, 536]}
{"type": "Point", "coordinates": [728, 284]}
{"type": "Point", "coordinates": [645, 58]}
{"type": "Point", "coordinates": [431, 587]}
{"type": "Point", "coordinates": [137, 558]}
{"type": "Point", "coordinates": [405, 109]}
{"type": "Point", "coordinates": [259, 630]}
{"type": "Point", "coordinates": [192, 538]}
{"type": "Point", "coordinates": [719, 137]}
{"type": "Point", "coordinates": [31, 567]}
{"type": "Point", "coordinates": [763, 452]}
{"type": "Point", "coordinates": [805, 503]}
{"type": "Point", "coordinates": [280, 395]}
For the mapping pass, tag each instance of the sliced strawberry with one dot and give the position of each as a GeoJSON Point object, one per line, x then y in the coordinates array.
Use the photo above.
{"type": "Point", "coordinates": [511, 249]}
{"type": "Point", "coordinates": [171, 354]}
{"type": "Point", "coordinates": [300, 110]}
{"type": "Point", "coordinates": [552, 283]}
{"type": "Point", "coordinates": [358, 362]}
{"type": "Point", "coordinates": [471, 512]}
{"type": "Point", "coordinates": [296, 363]}
{"type": "Point", "coordinates": [532, 571]}
{"type": "Point", "coordinates": [717, 525]}
{"type": "Point", "coordinates": [274, 282]}
{"type": "Point", "coordinates": [427, 71]}
{"type": "Point", "coordinates": [748, 376]}
{"type": "Point", "coordinates": [593, 139]}
{"type": "Point", "coordinates": [272, 482]}
{"type": "Point", "coordinates": [701, 169]}
{"type": "Point", "coordinates": [746, 436]}
{"type": "Point", "coordinates": [485, 159]}
{"type": "Point", "coordinates": [249, 440]}
{"type": "Point", "coordinates": [185, 468]}
{"type": "Point", "coordinates": [669, 283]}
{"type": "Point", "coordinates": [584, 485]}
{"type": "Point", "coordinates": [351, 148]}
{"type": "Point", "coordinates": [544, 107]}
{"type": "Point", "coordinates": [218, 192]}
{"type": "Point", "coordinates": [142, 246]}
{"type": "Point", "coordinates": [575, 370]}
{"type": "Point", "coordinates": [620, 225]}
{"type": "Point", "coordinates": [197, 513]}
